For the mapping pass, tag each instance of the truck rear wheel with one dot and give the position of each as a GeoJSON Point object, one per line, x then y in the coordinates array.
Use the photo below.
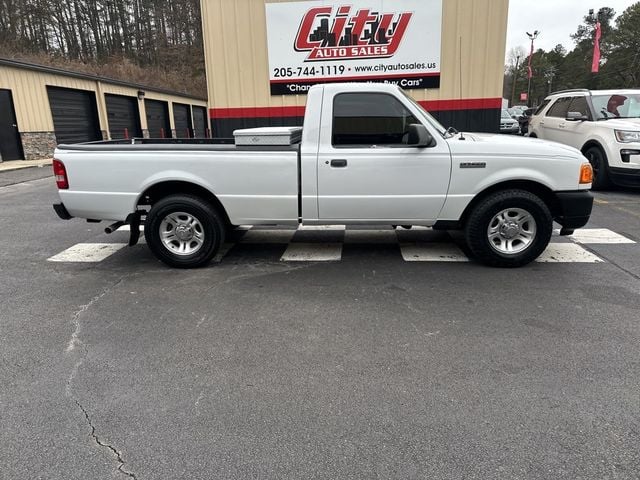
{"type": "Point", "coordinates": [184, 231]}
{"type": "Point", "coordinates": [509, 229]}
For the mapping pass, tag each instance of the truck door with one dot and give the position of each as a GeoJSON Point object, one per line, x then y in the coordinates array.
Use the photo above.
{"type": "Point", "coordinates": [366, 170]}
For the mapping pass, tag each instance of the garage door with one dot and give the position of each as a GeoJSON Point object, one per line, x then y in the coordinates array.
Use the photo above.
{"type": "Point", "coordinates": [200, 124]}
{"type": "Point", "coordinates": [182, 120]}
{"type": "Point", "coordinates": [158, 119]}
{"type": "Point", "coordinates": [124, 116]}
{"type": "Point", "coordinates": [10, 142]}
{"type": "Point", "coordinates": [75, 115]}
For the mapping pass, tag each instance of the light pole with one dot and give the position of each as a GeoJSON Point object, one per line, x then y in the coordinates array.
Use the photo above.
{"type": "Point", "coordinates": [532, 37]}
{"type": "Point", "coordinates": [515, 79]}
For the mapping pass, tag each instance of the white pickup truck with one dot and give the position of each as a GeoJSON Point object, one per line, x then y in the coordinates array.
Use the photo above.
{"type": "Point", "coordinates": [368, 154]}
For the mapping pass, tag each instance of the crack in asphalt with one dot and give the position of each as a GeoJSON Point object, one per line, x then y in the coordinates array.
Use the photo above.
{"type": "Point", "coordinates": [74, 342]}
{"type": "Point", "coordinates": [115, 451]}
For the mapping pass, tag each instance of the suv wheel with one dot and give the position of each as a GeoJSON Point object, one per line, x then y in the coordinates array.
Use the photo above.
{"type": "Point", "coordinates": [598, 160]}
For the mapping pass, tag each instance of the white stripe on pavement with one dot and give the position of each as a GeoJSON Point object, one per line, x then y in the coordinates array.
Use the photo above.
{"type": "Point", "coordinates": [87, 252]}
{"type": "Point", "coordinates": [127, 228]}
{"type": "Point", "coordinates": [370, 236]}
{"type": "Point", "coordinates": [312, 252]}
{"type": "Point", "coordinates": [432, 252]}
{"type": "Point", "coordinates": [589, 236]}
{"type": "Point", "coordinates": [567, 253]}
{"type": "Point", "coordinates": [321, 227]}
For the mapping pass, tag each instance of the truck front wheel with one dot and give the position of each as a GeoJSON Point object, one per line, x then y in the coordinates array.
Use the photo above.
{"type": "Point", "coordinates": [184, 231]}
{"type": "Point", "coordinates": [509, 228]}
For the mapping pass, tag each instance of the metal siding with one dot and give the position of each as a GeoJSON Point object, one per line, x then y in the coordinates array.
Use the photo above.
{"type": "Point", "coordinates": [235, 42]}
{"type": "Point", "coordinates": [75, 115]}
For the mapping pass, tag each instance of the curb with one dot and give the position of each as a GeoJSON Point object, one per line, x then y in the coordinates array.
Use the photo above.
{"type": "Point", "coordinates": [13, 167]}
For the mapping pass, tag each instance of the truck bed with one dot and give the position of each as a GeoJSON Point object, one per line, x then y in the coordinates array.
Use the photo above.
{"type": "Point", "coordinates": [252, 183]}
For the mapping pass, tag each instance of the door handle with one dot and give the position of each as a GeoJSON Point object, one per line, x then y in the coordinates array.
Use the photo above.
{"type": "Point", "coordinates": [338, 163]}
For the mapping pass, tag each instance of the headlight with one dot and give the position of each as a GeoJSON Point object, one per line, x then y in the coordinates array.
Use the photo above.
{"type": "Point", "coordinates": [626, 136]}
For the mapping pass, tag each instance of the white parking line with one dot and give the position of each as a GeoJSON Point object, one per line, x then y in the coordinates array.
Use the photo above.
{"type": "Point", "coordinates": [313, 252]}
{"type": "Point", "coordinates": [87, 252]}
{"type": "Point", "coordinates": [589, 236]}
{"type": "Point", "coordinates": [127, 228]}
{"type": "Point", "coordinates": [432, 252]}
{"type": "Point", "coordinates": [370, 236]}
{"type": "Point", "coordinates": [567, 253]}
{"type": "Point", "coordinates": [321, 227]}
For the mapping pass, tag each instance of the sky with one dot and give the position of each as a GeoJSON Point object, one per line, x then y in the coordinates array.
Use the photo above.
{"type": "Point", "coordinates": [555, 19]}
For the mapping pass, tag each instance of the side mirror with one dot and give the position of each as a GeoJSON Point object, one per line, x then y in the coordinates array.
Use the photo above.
{"type": "Point", "coordinates": [576, 117]}
{"type": "Point", "coordinates": [420, 137]}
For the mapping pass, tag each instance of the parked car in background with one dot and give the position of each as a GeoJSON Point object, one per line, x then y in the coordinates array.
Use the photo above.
{"type": "Point", "coordinates": [603, 124]}
{"type": "Point", "coordinates": [524, 119]}
{"type": "Point", "coordinates": [507, 123]}
{"type": "Point", "coordinates": [516, 111]}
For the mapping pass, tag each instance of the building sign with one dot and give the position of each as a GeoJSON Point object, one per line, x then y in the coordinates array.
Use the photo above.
{"type": "Point", "coordinates": [391, 41]}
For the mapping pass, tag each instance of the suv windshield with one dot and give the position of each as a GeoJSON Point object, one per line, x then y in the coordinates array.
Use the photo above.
{"type": "Point", "coordinates": [505, 114]}
{"type": "Point", "coordinates": [617, 106]}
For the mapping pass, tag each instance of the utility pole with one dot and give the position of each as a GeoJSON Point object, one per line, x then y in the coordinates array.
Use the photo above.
{"type": "Point", "coordinates": [532, 37]}
{"type": "Point", "coordinates": [515, 79]}
{"type": "Point", "coordinates": [549, 75]}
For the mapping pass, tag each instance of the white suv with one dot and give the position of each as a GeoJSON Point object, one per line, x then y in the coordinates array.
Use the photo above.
{"type": "Point", "coordinates": [603, 124]}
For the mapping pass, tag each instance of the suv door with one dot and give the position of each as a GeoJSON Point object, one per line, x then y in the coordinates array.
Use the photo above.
{"type": "Point", "coordinates": [552, 124]}
{"type": "Point", "coordinates": [572, 132]}
{"type": "Point", "coordinates": [366, 169]}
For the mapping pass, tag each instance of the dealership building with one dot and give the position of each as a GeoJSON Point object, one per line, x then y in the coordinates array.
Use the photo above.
{"type": "Point", "coordinates": [41, 107]}
{"type": "Point", "coordinates": [263, 55]}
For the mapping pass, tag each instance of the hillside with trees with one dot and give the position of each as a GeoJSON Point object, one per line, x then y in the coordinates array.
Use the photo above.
{"type": "Point", "coordinates": [153, 42]}
{"type": "Point", "coordinates": [559, 69]}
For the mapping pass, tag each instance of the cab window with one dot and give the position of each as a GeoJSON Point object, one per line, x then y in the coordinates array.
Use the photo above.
{"type": "Point", "coordinates": [367, 119]}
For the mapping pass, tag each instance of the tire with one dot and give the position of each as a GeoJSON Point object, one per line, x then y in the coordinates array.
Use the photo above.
{"type": "Point", "coordinates": [514, 220]}
{"type": "Point", "coordinates": [184, 231]}
{"type": "Point", "coordinates": [598, 160]}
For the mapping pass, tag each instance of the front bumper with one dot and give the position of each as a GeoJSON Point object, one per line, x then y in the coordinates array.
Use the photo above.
{"type": "Point", "coordinates": [574, 208]}
{"type": "Point", "coordinates": [625, 177]}
{"type": "Point", "coordinates": [62, 212]}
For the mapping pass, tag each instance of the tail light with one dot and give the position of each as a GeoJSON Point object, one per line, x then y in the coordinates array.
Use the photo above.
{"type": "Point", "coordinates": [61, 175]}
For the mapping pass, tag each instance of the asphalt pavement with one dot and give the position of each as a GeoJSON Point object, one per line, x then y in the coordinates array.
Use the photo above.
{"type": "Point", "coordinates": [368, 367]}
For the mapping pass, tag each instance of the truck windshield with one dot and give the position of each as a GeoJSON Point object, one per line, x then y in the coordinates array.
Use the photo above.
{"type": "Point", "coordinates": [427, 116]}
{"type": "Point", "coordinates": [619, 105]}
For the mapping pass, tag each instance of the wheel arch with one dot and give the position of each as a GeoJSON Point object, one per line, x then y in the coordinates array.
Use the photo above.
{"type": "Point", "coordinates": [163, 189]}
{"type": "Point", "coordinates": [542, 191]}
{"type": "Point", "coordinates": [592, 143]}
